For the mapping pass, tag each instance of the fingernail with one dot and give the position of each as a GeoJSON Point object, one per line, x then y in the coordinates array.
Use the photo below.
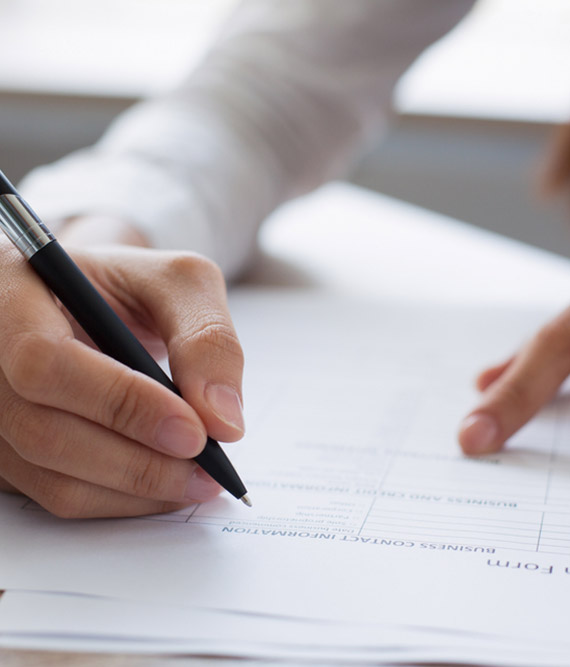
{"type": "Point", "coordinates": [179, 437]}
{"type": "Point", "coordinates": [201, 487]}
{"type": "Point", "coordinates": [226, 404]}
{"type": "Point", "coordinates": [478, 433]}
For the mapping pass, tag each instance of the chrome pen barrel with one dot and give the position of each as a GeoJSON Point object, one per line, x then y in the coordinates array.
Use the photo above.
{"type": "Point", "coordinates": [22, 226]}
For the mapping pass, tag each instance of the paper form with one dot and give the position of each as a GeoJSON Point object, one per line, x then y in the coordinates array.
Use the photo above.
{"type": "Point", "coordinates": [364, 509]}
{"type": "Point", "coordinates": [366, 493]}
{"type": "Point", "coordinates": [365, 459]}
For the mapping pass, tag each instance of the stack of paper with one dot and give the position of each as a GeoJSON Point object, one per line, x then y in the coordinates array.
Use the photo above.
{"type": "Point", "coordinates": [372, 539]}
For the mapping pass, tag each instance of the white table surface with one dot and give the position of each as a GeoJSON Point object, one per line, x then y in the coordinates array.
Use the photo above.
{"type": "Point", "coordinates": [350, 239]}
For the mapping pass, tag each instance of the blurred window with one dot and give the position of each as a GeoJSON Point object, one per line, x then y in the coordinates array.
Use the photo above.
{"type": "Point", "coordinates": [508, 60]}
{"type": "Point", "coordinates": [106, 47]}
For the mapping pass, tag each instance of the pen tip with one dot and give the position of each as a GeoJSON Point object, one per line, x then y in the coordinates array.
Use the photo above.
{"type": "Point", "coordinates": [246, 501]}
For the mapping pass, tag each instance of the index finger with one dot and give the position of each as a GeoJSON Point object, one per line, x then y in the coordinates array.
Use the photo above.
{"type": "Point", "coordinates": [526, 383]}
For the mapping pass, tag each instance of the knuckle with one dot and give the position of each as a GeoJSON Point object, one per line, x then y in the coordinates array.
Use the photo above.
{"type": "Point", "coordinates": [145, 474]}
{"type": "Point", "coordinates": [40, 445]}
{"type": "Point", "coordinates": [220, 341]}
{"type": "Point", "coordinates": [64, 497]}
{"type": "Point", "coordinates": [548, 336]}
{"type": "Point", "coordinates": [194, 268]}
{"type": "Point", "coordinates": [517, 396]}
{"type": "Point", "coordinates": [123, 405]}
{"type": "Point", "coordinates": [31, 366]}
{"type": "Point", "coordinates": [36, 441]}
{"type": "Point", "coordinates": [555, 336]}
{"type": "Point", "coordinates": [13, 419]}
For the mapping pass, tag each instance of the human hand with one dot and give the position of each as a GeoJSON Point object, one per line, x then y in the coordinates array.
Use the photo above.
{"type": "Point", "coordinates": [514, 391]}
{"type": "Point", "coordinates": [85, 436]}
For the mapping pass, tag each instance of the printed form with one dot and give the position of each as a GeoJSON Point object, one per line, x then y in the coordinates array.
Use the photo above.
{"type": "Point", "coordinates": [365, 510]}
{"type": "Point", "coordinates": [358, 444]}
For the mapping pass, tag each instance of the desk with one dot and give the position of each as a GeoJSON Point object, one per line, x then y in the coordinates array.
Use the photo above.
{"type": "Point", "coordinates": [348, 240]}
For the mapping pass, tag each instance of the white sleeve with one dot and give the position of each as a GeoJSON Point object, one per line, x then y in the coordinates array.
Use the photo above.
{"type": "Point", "coordinates": [285, 99]}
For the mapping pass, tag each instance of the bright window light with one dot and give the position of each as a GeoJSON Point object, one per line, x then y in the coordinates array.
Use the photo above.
{"type": "Point", "coordinates": [107, 47]}
{"type": "Point", "coordinates": [509, 59]}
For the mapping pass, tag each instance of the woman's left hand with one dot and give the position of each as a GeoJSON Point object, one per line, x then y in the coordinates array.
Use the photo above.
{"type": "Point", "coordinates": [514, 391]}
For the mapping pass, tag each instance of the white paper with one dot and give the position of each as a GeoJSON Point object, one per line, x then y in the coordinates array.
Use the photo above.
{"type": "Point", "coordinates": [352, 465]}
{"type": "Point", "coordinates": [81, 623]}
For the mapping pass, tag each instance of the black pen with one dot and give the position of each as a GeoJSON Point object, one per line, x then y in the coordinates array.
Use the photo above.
{"type": "Point", "coordinates": [64, 278]}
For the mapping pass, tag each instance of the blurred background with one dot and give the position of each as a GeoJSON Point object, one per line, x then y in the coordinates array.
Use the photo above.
{"type": "Point", "coordinates": [473, 117]}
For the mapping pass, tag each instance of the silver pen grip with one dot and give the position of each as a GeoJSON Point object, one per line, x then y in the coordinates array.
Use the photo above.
{"type": "Point", "coordinates": [22, 226]}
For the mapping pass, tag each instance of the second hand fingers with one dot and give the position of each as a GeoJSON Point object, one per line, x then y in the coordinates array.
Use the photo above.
{"type": "Point", "coordinates": [516, 395]}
